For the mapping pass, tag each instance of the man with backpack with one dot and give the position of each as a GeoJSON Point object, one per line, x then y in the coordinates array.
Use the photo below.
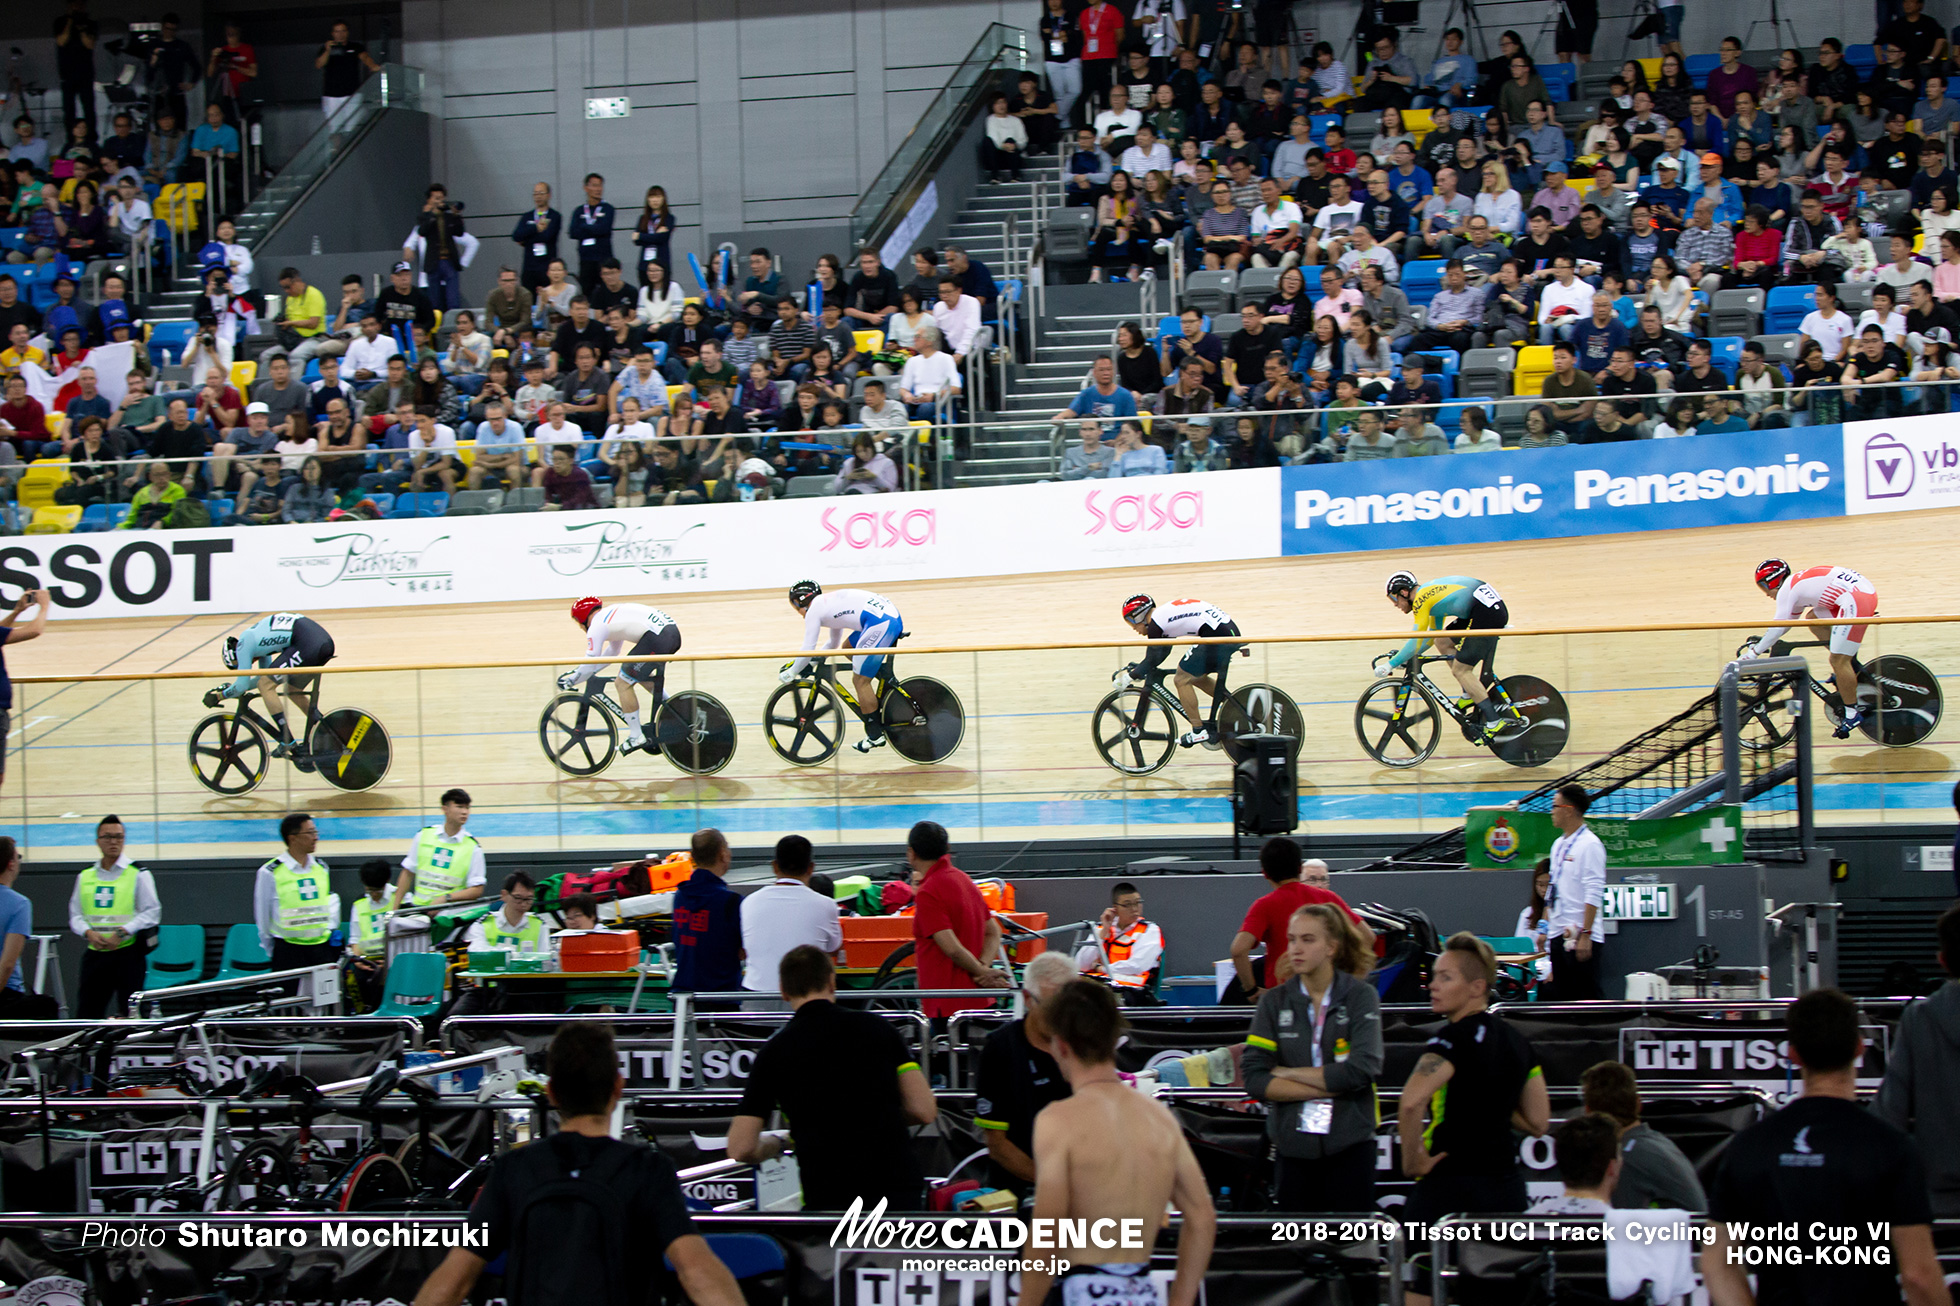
{"type": "Point", "coordinates": [574, 1212]}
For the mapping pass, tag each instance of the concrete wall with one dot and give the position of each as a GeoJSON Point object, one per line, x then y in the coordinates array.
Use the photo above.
{"type": "Point", "coordinates": [753, 114]}
{"type": "Point", "coordinates": [362, 204]}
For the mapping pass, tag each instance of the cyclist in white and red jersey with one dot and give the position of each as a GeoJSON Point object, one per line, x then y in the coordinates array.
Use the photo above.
{"type": "Point", "coordinates": [632, 630]}
{"type": "Point", "coordinates": [1198, 669]}
{"type": "Point", "coordinates": [1837, 596]}
{"type": "Point", "coordinates": [861, 621]}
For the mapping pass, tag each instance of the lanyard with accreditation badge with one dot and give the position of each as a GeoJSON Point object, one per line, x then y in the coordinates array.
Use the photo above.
{"type": "Point", "coordinates": [1317, 1114]}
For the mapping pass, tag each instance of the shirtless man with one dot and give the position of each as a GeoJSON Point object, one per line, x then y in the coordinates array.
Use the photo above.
{"type": "Point", "coordinates": [1122, 1193]}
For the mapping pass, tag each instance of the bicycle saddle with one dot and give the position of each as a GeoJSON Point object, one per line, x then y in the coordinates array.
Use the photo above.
{"type": "Point", "coordinates": [380, 1084]}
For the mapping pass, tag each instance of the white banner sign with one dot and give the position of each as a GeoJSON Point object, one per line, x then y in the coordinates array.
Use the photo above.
{"type": "Point", "coordinates": [1902, 465]}
{"type": "Point", "coordinates": [855, 540]}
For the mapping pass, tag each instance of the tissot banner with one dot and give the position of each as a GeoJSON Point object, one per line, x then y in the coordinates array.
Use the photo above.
{"type": "Point", "coordinates": [857, 539]}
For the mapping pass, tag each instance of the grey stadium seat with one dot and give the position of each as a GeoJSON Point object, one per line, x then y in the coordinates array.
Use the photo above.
{"type": "Point", "coordinates": [1736, 312]}
{"type": "Point", "coordinates": [1211, 293]}
{"type": "Point", "coordinates": [1065, 234]}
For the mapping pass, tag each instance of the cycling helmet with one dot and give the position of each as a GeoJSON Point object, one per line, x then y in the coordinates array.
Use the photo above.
{"type": "Point", "coordinates": [1772, 572]}
{"type": "Point", "coordinates": [230, 654]}
{"type": "Point", "coordinates": [1402, 582]}
{"type": "Point", "coordinates": [802, 592]}
{"type": "Point", "coordinates": [583, 609]}
{"type": "Point", "coordinates": [1137, 607]}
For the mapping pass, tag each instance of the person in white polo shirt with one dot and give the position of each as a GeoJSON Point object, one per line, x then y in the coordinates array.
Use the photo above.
{"type": "Point", "coordinates": [1573, 906]}
{"type": "Point", "coordinates": [782, 915]}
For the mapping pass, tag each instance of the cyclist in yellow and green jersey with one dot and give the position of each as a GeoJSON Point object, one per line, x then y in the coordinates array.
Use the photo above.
{"type": "Point", "coordinates": [1464, 603]}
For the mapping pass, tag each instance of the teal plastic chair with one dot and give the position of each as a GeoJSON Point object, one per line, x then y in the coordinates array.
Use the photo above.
{"type": "Point", "coordinates": [415, 985]}
{"type": "Point", "coordinates": [178, 957]}
{"type": "Point", "coordinates": [244, 956]}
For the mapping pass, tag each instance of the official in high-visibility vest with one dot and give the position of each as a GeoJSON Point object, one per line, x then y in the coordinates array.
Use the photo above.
{"type": "Point", "coordinates": [367, 934]}
{"type": "Point", "coordinates": [512, 927]}
{"type": "Point", "coordinates": [443, 864]}
{"type": "Point", "coordinates": [114, 901]}
{"type": "Point", "coordinates": [1135, 945]}
{"type": "Point", "coordinates": [292, 902]}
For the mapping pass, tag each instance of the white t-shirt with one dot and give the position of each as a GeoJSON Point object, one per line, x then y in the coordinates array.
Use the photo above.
{"type": "Point", "coordinates": [781, 916]}
{"type": "Point", "coordinates": [1894, 326]}
{"type": "Point", "coordinates": [293, 453]}
{"type": "Point", "coordinates": [1578, 297]}
{"type": "Point", "coordinates": [1287, 215]}
{"type": "Point", "coordinates": [633, 431]}
{"type": "Point", "coordinates": [1830, 332]}
{"type": "Point", "coordinates": [445, 442]}
{"type": "Point", "coordinates": [926, 377]}
{"type": "Point", "coordinates": [1337, 217]}
{"type": "Point", "coordinates": [1111, 123]}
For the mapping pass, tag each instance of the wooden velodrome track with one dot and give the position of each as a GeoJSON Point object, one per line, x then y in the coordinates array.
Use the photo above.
{"type": "Point", "coordinates": [1027, 768]}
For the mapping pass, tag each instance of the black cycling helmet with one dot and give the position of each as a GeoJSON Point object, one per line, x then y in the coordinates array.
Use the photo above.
{"type": "Point", "coordinates": [802, 592]}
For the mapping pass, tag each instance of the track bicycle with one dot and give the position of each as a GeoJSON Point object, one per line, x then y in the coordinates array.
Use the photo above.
{"type": "Point", "coordinates": [805, 719]}
{"type": "Point", "coordinates": [1900, 697]}
{"type": "Point", "coordinates": [231, 750]}
{"type": "Point", "coordinates": [1399, 719]}
{"type": "Point", "coordinates": [579, 730]}
{"type": "Point", "coordinates": [1136, 726]}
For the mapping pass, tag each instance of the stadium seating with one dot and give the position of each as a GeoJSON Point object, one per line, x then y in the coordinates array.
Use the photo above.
{"type": "Point", "coordinates": [1786, 308]}
{"type": "Point", "coordinates": [178, 957]}
{"type": "Point", "coordinates": [1534, 365]}
{"type": "Point", "coordinates": [243, 956]}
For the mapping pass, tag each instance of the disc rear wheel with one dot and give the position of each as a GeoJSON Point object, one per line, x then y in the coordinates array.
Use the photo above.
{"type": "Point", "coordinates": [1539, 731]}
{"type": "Point", "coordinates": [924, 719]}
{"type": "Point", "coordinates": [696, 732]}
{"type": "Point", "coordinates": [1257, 710]}
{"type": "Point", "coordinates": [351, 749]}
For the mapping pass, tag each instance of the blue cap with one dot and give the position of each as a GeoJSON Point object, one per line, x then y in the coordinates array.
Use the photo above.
{"type": "Point", "coordinates": [114, 313]}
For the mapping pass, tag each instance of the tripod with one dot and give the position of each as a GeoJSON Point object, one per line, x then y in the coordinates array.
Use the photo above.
{"type": "Point", "coordinates": [1777, 22]}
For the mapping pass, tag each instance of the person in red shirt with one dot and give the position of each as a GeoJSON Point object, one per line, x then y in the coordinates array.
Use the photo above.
{"type": "Point", "coordinates": [23, 420]}
{"type": "Point", "coordinates": [1265, 921]}
{"type": "Point", "coordinates": [1102, 39]}
{"type": "Point", "coordinates": [954, 936]}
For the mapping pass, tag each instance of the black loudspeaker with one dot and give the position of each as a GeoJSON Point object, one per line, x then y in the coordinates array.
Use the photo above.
{"type": "Point", "coordinates": [1266, 786]}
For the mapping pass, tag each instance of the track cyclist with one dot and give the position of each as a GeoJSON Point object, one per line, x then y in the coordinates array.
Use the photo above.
{"type": "Point", "coordinates": [1836, 594]}
{"type": "Point", "coordinates": [281, 641]}
{"type": "Point", "coordinates": [1197, 669]}
{"type": "Point", "coordinates": [1467, 604]}
{"type": "Point", "coordinates": [632, 630]}
{"type": "Point", "coordinates": [871, 621]}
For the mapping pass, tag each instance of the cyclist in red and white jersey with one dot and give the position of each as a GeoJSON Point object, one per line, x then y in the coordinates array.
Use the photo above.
{"type": "Point", "coordinates": [632, 630]}
{"type": "Point", "coordinates": [1198, 669]}
{"type": "Point", "coordinates": [1836, 595]}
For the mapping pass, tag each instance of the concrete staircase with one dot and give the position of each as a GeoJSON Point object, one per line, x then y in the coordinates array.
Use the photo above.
{"type": "Point", "coordinates": [1036, 390]}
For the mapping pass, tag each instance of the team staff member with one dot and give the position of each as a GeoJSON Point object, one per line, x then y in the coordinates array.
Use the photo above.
{"type": "Point", "coordinates": [955, 936]}
{"type": "Point", "coordinates": [291, 903]}
{"type": "Point", "coordinates": [1654, 1172]}
{"type": "Point", "coordinates": [1825, 1159]}
{"type": "Point", "coordinates": [1196, 670]}
{"type": "Point", "coordinates": [284, 639]}
{"type": "Point", "coordinates": [12, 632]}
{"type": "Point", "coordinates": [1468, 604]}
{"type": "Point", "coordinates": [443, 864]}
{"type": "Point", "coordinates": [367, 932]}
{"type": "Point", "coordinates": [1271, 914]}
{"type": "Point", "coordinates": [1134, 945]}
{"type": "Point", "coordinates": [1476, 1080]}
{"type": "Point", "coordinates": [642, 632]}
{"type": "Point", "coordinates": [707, 922]}
{"type": "Point", "coordinates": [871, 621]}
{"type": "Point", "coordinates": [1315, 1051]}
{"type": "Point", "coordinates": [16, 928]}
{"type": "Point", "coordinates": [848, 1087]}
{"type": "Point", "coordinates": [1573, 902]}
{"type": "Point", "coordinates": [1017, 1078]}
{"type": "Point", "coordinates": [786, 914]}
{"type": "Point", "coordinates": [1106, 1152]}
{"type": "Point", "coordinates": [585, 1085]}
{"type": "Point", "coordinates": [113, 902]}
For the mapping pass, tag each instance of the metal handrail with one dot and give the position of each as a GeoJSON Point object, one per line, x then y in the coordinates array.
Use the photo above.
{"type": "Point", "coordinates": [897, 185]}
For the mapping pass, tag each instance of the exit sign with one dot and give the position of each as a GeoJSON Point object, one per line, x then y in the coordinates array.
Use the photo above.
{"type": "Point", "coordinates": [612, 106]}
{"type": "Point", "coordinates": [1639, 902]}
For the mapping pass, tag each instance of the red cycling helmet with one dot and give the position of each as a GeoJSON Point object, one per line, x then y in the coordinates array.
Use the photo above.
{"type": "Point", "coordinates": [1772, 572]}
{"type": "Point", "coordinates": [583, 609]}
{"type": "Point", "coordinates": [1137, 607]}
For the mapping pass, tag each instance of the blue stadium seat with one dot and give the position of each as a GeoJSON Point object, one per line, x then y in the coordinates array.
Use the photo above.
{"type": "Point", "coordinates": [1786, 308]}
{"type": "Point", "coordinates": [1727, 352]}
{"type": "Point", "coordinates": [426, 504]}
{"type": "Point", "coordinates": [1862, 58]}
{"type": "Point", "coordinates": [1698, 66]}
{"type": "Point", "coordinates": [171, 336]}
{"type": "Point", "coordinates": [1421, 279]}
{"type": "Point", "coordinates": [1560, 80]}
{"type": "Point", "coordinates": [1319, 123]}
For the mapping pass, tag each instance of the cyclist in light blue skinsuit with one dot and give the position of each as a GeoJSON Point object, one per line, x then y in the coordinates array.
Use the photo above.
{"type": "Point", "coordinates": [282, 640]}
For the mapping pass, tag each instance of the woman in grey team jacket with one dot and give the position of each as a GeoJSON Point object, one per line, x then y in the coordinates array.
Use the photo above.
{"type": "Point", "coordinates": [1314, 1052]}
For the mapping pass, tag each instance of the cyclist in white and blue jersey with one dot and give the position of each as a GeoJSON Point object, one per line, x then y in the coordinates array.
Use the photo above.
{"type": "Point", "coordinates": [870, 621]}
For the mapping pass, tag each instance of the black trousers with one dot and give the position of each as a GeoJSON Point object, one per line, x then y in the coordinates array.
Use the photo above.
{"type": "Point", "coordinates": [108, 978]}
{"type": "Point", "coordinates": [1573, 979]}
{"type": "Point", "coordinates": [1340, 1181]}
{"type": "Point", "coordinates": [20, 1004]}
{"type": "Point", "coordinates": [295, 956]}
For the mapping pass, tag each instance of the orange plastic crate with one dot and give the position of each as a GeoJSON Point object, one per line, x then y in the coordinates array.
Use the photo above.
{"type": "Point", "coordinates": [868, 940]}
{"type": "Point", "coordinates": [600, 950]}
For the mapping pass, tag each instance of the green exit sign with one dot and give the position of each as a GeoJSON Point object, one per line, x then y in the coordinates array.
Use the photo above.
{"type": "Point", "coordinates": [1639, 902]}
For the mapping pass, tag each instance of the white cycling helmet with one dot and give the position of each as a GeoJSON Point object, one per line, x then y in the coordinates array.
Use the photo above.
{"type": "Point", "coordinates": [230, 653]}
{"type": "Point", "coordinates": [1402, 582]}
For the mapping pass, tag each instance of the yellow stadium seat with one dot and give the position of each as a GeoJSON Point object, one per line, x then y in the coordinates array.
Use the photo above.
{"type": "Point", "coordinates": [673, 391]}
{"type": "Point", "coordinates": [1652, 68]}
{"type": "Point", "coordinates": [68, 190]}
{"type": "Point", "coordinates": [55, 519]}
{"type": "Point", "coordinates": [466, 452]}
{"type": "Point", "coordinates": [1419, 122]}
{"type": "Point", "coordinates": [39, 481]}
{"type": "Point", "coordinates": [243, 373]}
{"type": "Point", "coordinates": [500, 353]}
{"type": "Point", "coordinates": [1534, 365]}
{"type": "Point", "coordinates": [868, 342]}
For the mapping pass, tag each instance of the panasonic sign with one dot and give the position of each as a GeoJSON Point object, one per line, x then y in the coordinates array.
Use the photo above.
{"type": "Point", "coordinates": [1547, 494]}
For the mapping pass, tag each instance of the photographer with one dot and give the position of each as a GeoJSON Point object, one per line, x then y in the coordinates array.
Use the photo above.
{"type": "Point", "coordinates": [441, 229]}
{"type": "Point", "coordinates": [231, 66]}
{"type": "Point", "coordinates": [341, 63]}
{"type": "Point", "coordinates": [173, 68]}
{"type": "Point", "coordinates": [74, 57]}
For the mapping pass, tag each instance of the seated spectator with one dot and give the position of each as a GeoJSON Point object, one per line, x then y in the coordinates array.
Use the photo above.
{"type": "Point", "coordinates": [1092, 458]}
{"type": "Point", "coordinates": [866, 471]}
{"type": "Point", "coordinates": [1885, 314]}
{"type": "Point", "coordinates": [1224, 230]}
{"type": "Point", "coordinates": [1719, 417]}
{"type": "Point", "coordinates": [682, 423]}
{"type": "Point", "coordinates": [566, 485]}
{"type": "Point", "coordinates": [1003, 143]}
{"type": "Point", "coordinates": [674, 478]}
{"type": "Point", "coordinates": [1589, 1165]}
{"type": "Point", "coordinates": [1133, 457]}
{"type": "Point", "coordinates": [1415, 387]}
{"type": "Point", "coordinates": [1606, 427]}
{"type": "Point", "coordinates": [92, 465]}
{"type": "Point", "coordinates": [1188, 393]}
{"type": "Point", "coordinates": [1088, 170]}
{"type": "Point", "coordinates": [1363, 251]}
{"type": "Point", "coordinates": [1371, 439]}
{"type": "Point", "coordinates": [503, 450]}
{"type": "Point", "coordinates": [1477, 435]}
{"type": "Point", "coordinates": [760, 401]}
{"type": "Point", "coordinates": [1869, 366]}
{"type": "Point", "coordinates": [878, 412]}
{"type": "Point", "coordinates": [366, 361]}
{"type": "Point", "coordinates": [431, 458]}
{"type": "Point", "coordinates": [930, 381]}
{"type": "Point", "coordinates": [1250, 447]}
{"type": "Point", "coordinates": [740, 477]}
{"type": "Point", "coordinates": [1542, 429]}
{"type": "Point", "coordinates": [153, 501]}
{"type": "Point", "coordinates": [721, 420]}
{"type": "Point", "coordinates": [1680, 421]}
{"type": "Point", "coordinates": [1197, 451]}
